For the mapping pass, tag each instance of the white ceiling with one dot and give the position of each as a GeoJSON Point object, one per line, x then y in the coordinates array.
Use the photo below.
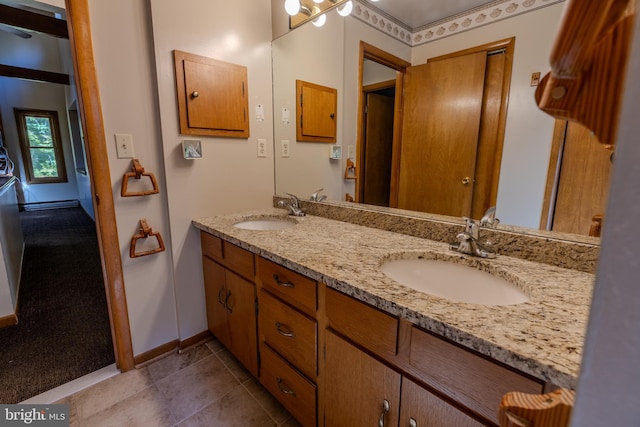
{"type": "Point", "coordinates": [417, 13]}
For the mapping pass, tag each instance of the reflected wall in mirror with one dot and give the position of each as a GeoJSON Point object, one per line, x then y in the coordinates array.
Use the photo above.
{"type": "Point", "coordinates": [330, 56]}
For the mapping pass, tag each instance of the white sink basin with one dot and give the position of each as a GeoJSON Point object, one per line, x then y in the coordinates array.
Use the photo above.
{"type": "Point", "coordinates": [455, 282]}
{"type": "Point", "coordinates": [265, 224]}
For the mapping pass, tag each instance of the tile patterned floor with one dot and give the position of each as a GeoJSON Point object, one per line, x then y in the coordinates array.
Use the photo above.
{"type": "Point", "coordinates": [203, 386]}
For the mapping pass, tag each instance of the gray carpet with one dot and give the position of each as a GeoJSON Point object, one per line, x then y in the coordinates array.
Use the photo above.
{"type": "Point", "coordinates": [63, 327]}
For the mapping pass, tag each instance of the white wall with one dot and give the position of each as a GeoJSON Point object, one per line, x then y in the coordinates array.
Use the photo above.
{"type": "Point", "coordinates": [11, 250]}
{"type": "Point", "coordinates": [230, 177]}
{"type": "Point", "coordinates": [39, 52]}
{"type": "Point", "coordinates": [123, 52]}
{"type": "Point", "coordinates": [528, 131]}
{"type": "Point", "coordinates": [328, 56]}
{"type": "Point", "coordinates": [314, 55]}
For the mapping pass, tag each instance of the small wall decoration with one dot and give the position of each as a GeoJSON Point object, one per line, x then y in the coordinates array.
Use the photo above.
{"type": "Point", "coordinates": [192, 149]}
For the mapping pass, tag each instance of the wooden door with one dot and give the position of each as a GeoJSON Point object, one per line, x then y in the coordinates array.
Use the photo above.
{"type": "Point", "coordinates": [583, 181]}
{"type": "Point", "coordinates": [437, 162]}
{"type": "Point", "coordinates": [356, 385]}
{"type": "Point", "coordinates": [215, 294]}
{"type": "Point", "coordinates": [241, 309]}
{"type": "Point", "coordinates": [428, 410]}
{"type": "Point", "coordinates": [378, 149]}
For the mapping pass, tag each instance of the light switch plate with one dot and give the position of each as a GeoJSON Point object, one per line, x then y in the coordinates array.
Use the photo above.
{"type": "Point", "coordinates": [124, 146]}
{"type": "Point", "coordinates": [262, 147]}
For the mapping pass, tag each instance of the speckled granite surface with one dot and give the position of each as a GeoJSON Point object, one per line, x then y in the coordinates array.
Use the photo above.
{"type": "Point", "coordinates": [543, 336]}
{"type": "Point", "coordinates": [559, 249]}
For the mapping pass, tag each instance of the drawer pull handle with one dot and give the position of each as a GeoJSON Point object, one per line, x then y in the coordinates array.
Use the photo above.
{"type": "Point", "coordinates": [385, 409]}
{"type": "Point", "coordinates": [226, 303]}
{"type": "Point", "coordinates": [412, 423]}
{"type": "Point", "coordinates": [220, 297]}
{"type": "Point", "coordinates": [281, 283]}
{"type": "Point", "coordinates": [283, 388]}
{"type": "Point", "coordinates": [283, 332]}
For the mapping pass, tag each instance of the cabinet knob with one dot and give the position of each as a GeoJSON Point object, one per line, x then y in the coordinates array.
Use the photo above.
{"type": "Point", "coordinates": [466, 180]}
{"type": "Point", "coordinates": [385, 409]}
{"type": "Point", "coordinates": [195, 94]}
{"type": "Point", "coordinates": [412, 423]}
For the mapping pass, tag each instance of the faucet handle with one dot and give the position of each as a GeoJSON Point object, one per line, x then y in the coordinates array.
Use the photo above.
{"type": "Point", "coordinates": [489, 219]}
{"type": "Point", "coordinates": [294, 199]}
{"type": "Point", "coordinates": [316, 197]}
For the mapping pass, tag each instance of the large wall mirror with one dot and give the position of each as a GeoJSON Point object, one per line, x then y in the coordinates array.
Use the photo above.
{"type": "Point", "coordinates": [332, 56]}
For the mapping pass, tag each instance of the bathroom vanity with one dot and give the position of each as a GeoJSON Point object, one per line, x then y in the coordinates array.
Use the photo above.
{"type": "Point", "coordinates": [308, 310]}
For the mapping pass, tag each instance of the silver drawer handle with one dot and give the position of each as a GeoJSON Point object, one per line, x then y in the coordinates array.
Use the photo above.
{"type": "Point", "coordinates": [283, 389]}
{"type": "Point", "coordinates": [284, 332]}
{"type": "Point", "coordinates": [385, 409]}
{"type": "Point", "coordinates": [279, 282]}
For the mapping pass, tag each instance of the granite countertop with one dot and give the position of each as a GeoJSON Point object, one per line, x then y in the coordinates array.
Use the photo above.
{"type": "Point", "coordinates": [542, 337]}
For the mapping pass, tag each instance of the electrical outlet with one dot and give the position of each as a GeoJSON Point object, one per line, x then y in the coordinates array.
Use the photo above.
{"type": "Point", "coordinates": [262, 148]}
{"type": "Point", "coordinates": [284, 145]}
{"type": "Point", "coordinates": [124, 146]}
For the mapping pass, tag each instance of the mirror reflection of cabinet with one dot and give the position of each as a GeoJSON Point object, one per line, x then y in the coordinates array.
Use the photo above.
{"type": "Point", "coordinates": [316, 112]}
{"type": "Point", "coordinates": [212, 96]}
{"type": "Point", "coordinates": [578, 180]}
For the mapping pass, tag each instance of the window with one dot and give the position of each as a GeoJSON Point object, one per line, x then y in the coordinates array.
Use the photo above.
{"type": "Point", "coordinates": [41, 146]}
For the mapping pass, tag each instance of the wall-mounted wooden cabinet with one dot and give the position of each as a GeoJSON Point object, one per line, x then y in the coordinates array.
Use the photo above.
{"type": "Point", "coordinates": [212, 96]}
{"type": "Point", "coordinates": [316, 112]}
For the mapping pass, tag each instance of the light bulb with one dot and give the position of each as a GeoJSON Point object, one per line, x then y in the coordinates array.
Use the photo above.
{"type": "Point", "coordinates": [345, 9]}
{"type": "Point", "coordinates": [320, 20]}
{"type": "Point", "coordinates": [292, 7]}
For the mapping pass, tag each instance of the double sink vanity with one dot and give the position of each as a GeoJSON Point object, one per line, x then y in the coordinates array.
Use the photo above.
{"type": "Point", "coordinates": [347, 324]}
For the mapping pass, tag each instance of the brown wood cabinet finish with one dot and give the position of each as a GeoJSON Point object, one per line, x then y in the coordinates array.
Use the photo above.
{"type": "Point", "coordinates": [316, 112]}
{"type": "Point", "coordinates": [292, 287]}
{"type": "Point", "coordinates": [356, 387]}
{"type": "Point", "coordinates": [293, 390]}
{"type": "Point", "coordinates": [472, 380]}
{"type": "Point", "coordinates": [368, 326]}
{"type": "Point", "coordinates": [289, 332]}
{"type": "Point", "coordinates": [212, 96]}
{"type": "Point", "coordinates": [428, 410]}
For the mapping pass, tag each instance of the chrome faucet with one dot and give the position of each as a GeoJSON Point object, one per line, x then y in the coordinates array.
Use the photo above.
{"type": "Point", "coordinates": [316, 197]}
{"type": "Point", "coordinates": [469, 240]}
{"type": "Point", "coordinates": [293, 204]}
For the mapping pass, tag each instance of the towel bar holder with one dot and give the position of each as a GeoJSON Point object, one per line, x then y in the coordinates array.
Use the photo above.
{"type": "Point", "coordinates": [145, 231]}
{"type": "Point", "coordinates": [137, 172]}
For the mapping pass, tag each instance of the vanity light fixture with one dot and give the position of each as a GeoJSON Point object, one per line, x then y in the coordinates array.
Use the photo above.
{"type": "Point", "coordinates": [345, 9]}
{"type": "Point", "coordinates": [300, 11]}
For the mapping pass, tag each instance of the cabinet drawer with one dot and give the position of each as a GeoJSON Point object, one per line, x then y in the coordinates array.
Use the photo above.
{"type": "Point", "coordinates": [290, 333]}
{"type": "Point", "coordinates": [229, 255]}
{"type": "Point", "coordinates": [239, 260]}
{"type": "Point", "coordinates": [366, 325]}
{"type": "Point", "coordinates": [211, 246]}
{"type": "Point", "coordinates": [468, 378]}
{"type": "Point", "coordinates": [293, 390]}
{"type": "Point", "coordinates": [292, 287]}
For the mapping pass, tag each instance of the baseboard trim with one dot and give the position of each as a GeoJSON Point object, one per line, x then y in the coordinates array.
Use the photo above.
{"type": "Point", "coordinates": [165, 350]}
{"type": "Point", "coordinates": [9, 320]}
{"type": "Point", "coordinates": [155, 353]}
{"type": "Point", "coordinates": [60, 204]}
{"type": "Point", "coordinates": [195, 340]}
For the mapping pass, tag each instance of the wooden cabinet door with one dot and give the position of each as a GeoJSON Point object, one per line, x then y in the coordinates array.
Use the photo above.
{"type": "Point", "coordinates": [316, 112]}
{"type": "Point", "coordinates": [437, 163]}
{"type": "Point", "coordinates": [428, 410]}
{"type": "Point", "coordinates": [215, 294]}
{"type": "Point", "coordinates": [356, 386]}
{"type": "Point", "coordinates": [241, 310]}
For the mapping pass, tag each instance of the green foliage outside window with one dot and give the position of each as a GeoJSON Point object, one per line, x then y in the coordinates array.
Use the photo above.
{"type": "Point", "coordinates": [41, 145]}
